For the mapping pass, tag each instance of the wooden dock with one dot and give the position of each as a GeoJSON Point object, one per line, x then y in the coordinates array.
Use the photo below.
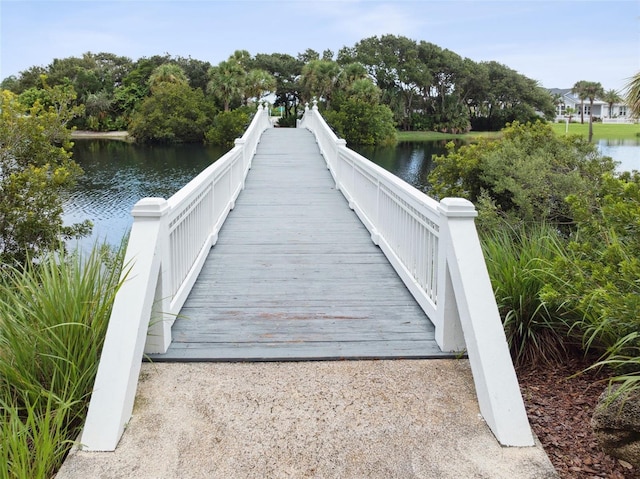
{"type": "Point", "coordinates": [295, 276]}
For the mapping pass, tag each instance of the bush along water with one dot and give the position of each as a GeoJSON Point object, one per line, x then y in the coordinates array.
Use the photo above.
{"type": "Point", "coordinates": [561, 235]}
{"type": "Point", "coordinates": [53, 319]}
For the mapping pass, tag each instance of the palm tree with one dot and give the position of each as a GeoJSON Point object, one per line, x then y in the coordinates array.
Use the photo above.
{"type": "Point", "coordinates": [592, 90]}
{"type": "Point", "coordinates": [611, 97]}
{"type": "Point", "coordinates": [259, 83]}
{"type": "Point", "coordinates": [319, 79]}
{"type": "Point", "coordinates": [578, 89]}
{"type": "Point", "coordinates": [633, 95]}
{"type": "Point", "coordinates": [167, 73]}
{"type": "Point", "coordinates": [227, 81]}
{"type": "Point", "coordinates": [557, 101]}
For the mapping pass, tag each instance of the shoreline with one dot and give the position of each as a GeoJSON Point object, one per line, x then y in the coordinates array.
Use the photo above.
{"type": "Point", "coordinates": [101, 135]}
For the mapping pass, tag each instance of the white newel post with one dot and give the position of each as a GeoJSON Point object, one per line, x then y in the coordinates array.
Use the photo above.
{"type": "Point", "coordinates": [159, 332]}
{"type": "Point", "coordinates": [449, 335]}
{"type": "Point", "coordinates": [117, 377]}
{"type": "Point", "coordinates": [495, 379]}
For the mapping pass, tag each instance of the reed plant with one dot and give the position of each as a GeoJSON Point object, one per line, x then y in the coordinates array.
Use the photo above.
{"type": "Point", "coordinates": [53, 319]}
{"type": "Point", "coordinates": [518, 260]}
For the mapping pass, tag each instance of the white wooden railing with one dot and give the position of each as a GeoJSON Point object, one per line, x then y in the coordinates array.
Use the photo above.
{"type": "Point", "coordinates": [168, 243]}
{"type": "Point", "coordinates": [434, 248]}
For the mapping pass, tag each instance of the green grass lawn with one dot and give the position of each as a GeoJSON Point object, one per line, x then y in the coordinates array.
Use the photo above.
{"type": "Point", "coordinates": [434, 135]}
{"type": "Point", "coordinates": [610, 131]}
{"type": "Point", "coordinates": [600, 131]}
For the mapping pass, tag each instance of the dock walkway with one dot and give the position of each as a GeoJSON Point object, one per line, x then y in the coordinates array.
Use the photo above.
{"type": "Point", "coordinates": [294, 274]}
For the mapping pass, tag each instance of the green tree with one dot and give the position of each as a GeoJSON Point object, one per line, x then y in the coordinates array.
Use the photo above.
{"type": "Point", "coordinates": [229, 125]}
{"type": "Point", "coordinates": [286, 70]}
{"type": "Point", "coordinates": [579, 90]}
{"type": "Point", "coordinates": [395, 65]}
{"type": "Point", "coordinates": [611, 97]}
{"type": "Point", "coordinates": [174, 113]}
{"type": "Point", "coordinates": [227, 81]}
{"type": "Point", "coordinates": [361, 119]}
{"type": "Point", "coordinates": [167, 73]}
{"type": "Point", "coordinates": [197, 71]}
{"type": "Point", "coordinates": [258, 84]}
{"type": "Point", "coordinates": [319, 78]}
{"type": "Point", "coordinates": [36, 170]}
{"type": "Point", "coordinates": [592, 90]}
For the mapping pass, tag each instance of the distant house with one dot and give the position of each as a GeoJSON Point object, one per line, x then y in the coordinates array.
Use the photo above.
{"type": "Point", "coordinates": [619, 112]}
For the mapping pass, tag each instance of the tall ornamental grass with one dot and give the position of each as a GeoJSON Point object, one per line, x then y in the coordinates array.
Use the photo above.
{"type": "Point", "coordinates": [518, 260]}
{"type": "Point", "coordinates": [53, 319]}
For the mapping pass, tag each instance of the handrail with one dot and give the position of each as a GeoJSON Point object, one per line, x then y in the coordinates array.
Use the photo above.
{"type": "Point", "coordinates": [434, 248]}
{"type": "Point", "coordinates": [168, 244]}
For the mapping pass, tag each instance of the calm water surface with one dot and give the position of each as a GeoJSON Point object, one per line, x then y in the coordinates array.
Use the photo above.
{"type": "Point", "coordinates": [118, 174]}
{"type": "Point", "coordinates": [626, 152]}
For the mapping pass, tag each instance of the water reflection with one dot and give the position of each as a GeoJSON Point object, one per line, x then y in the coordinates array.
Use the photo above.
{"type": "Point", "coordinates": [626, 152]}
{"type": "Point", "coordinates": [410, 161]}
{"type": "Point", "coordinates": [118, 174]}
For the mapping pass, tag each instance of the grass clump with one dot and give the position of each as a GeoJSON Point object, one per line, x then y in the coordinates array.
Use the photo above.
{"type": "Point", "coordinates": [53, 319]}
{"type": "Point", "coordinates": [518, 260]}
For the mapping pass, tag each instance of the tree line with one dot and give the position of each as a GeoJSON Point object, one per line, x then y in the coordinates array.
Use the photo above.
{"type": "Point", "coordinates": [415, 85]}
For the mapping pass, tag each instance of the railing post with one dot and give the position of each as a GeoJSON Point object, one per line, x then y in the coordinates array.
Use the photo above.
{"type": "Point", "coordinates": [449, 335]}
{"type": "Point", "coordinates": [333, 163]}
{"type": "Point", "coordinates": [467, 277]}
{"type": "Point", "coordinates": [117, 377]}
{"type": "Point", "coordinates": [242, 143]}
{"type": "Point", "coordinates": [159, 334]}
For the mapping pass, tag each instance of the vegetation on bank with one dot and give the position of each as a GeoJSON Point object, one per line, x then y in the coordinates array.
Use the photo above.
{"type": "Point", "coordinates": [53, 320]}
{"type": "Point", "coordinates": [561, 235]}
{"type": "Point", "coordinates": [36, 170]}
{"type": "Point", "coordinates": [396, 82]}
{"type": "Point", "coordinates": [601, 131]}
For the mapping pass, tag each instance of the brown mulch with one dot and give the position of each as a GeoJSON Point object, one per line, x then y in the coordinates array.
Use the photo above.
{"type": "Point", "coordinates": [560, 408]}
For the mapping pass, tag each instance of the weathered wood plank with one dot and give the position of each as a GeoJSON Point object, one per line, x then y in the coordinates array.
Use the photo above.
{"type": "Point", "coordinates": [294, 274]}
{"type": "Point", "coordinates": [308, 350]}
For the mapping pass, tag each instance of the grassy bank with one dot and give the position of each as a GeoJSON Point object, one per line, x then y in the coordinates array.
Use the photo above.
{"type": "Point", "coordinates": [600, 132]}
{"type": "Point", "coordinates": [434, 135]}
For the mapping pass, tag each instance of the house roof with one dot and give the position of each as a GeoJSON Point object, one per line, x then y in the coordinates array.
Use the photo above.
{"type": "Point", "coordinates": [566, 93]}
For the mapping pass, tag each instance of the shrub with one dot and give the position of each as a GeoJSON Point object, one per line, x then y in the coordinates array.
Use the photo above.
{"type": "Point", "coordinates": [362, 123]}
{"type": "Point", "coordinates": [527, 174]}
{"type": "Point", "coordinates": [229, 125]}
{"type": "Point", "coordinates": [595, 283]}
{"type": "Point", "coordinates": [288, 121]}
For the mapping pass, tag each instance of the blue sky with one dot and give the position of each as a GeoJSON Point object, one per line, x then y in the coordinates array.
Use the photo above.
{"type": "Point", "coordinates": [555, 42]}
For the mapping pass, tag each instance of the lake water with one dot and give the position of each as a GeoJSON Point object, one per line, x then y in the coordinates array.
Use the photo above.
{"type": "Point", "coordinates": [626, 152]}
{"type": "Point", "coordinates": [118, 174]}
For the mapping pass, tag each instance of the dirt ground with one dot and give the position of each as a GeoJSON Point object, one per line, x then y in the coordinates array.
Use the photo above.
{"type": "Point", "coordinates": [560, 407]}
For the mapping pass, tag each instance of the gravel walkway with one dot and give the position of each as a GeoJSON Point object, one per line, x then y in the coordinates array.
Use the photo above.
{"type": "Point", "coordinates": [342, 419]}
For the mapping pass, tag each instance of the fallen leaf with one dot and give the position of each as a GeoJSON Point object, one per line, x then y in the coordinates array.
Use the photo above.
{"type": "Point", "coordinates": [625, 464]}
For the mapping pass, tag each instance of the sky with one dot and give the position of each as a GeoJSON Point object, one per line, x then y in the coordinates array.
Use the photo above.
{"type": "Point", "coordinates": [556, 42]}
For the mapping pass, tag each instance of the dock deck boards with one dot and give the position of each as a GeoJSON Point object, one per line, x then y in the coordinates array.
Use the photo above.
{"type": "Point", "coordinates": [295, 276]}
